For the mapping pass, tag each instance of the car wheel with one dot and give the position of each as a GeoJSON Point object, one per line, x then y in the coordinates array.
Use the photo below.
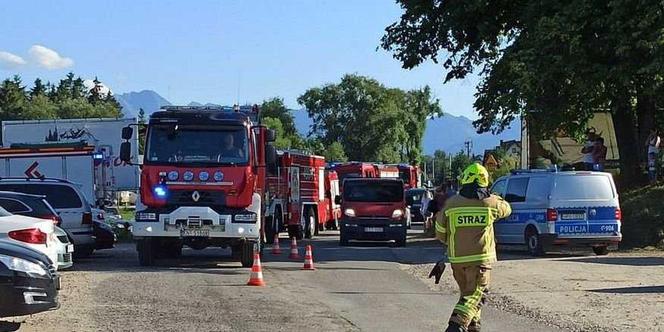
{"type": "Point", "coordinates": [400, 242]}
{"type": "Point", "coordinates": [601, 250]}
{"type": "Point", "coordinates": [247, 254]}
{"type": "Point", "coordinates": [146, 252]}
{"type": "Point", "coordinates": [533, 242]}
{"type": "Point", "coordinates": [9, 326]}
{"type": "Point", "coordinates": [343, 239]}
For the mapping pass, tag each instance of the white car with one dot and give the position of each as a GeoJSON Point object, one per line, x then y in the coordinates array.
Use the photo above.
{"type": "Point", "coordinates": [64, 249]}
{"type": "Point", "coordinates": [38, 234]}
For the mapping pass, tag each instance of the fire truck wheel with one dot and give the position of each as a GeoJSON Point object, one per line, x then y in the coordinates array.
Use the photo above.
{"type": "Point", "coordinates": [146, 252]}
{"type": "Point", "coordinates": [247, 254]}
{"type": "Point", "coordinates": [269, 230]}
{"type": "Point", "coordinates": [310, 226]}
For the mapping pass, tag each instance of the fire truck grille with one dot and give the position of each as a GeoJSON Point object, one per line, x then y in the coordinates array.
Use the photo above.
{"type": "Point", "coordinates": [204, 198]}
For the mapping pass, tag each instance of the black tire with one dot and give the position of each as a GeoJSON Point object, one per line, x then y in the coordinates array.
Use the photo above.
{"type": "Point", "coordinates": [601, 250]}
{"type": "Point", "coordinates": [247, 254]}
{"type": "Point", "coordinates": [343, 239]}
{"type": "Point", "coordinates": [533, 242]}
{"type": "Point", "coordinates": [310, 225]}
{"type": "Point", "coordinates": [401, 242]}
{"type": "Point", "coordinates": [269, 230]}
{"type": "Point", "coordinates": [9, 326]}
{"type": "Point", "coordinates": [146, 252]}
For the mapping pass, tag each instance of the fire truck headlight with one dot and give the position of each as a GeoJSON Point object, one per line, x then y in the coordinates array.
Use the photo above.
{"type": "Point", "coordinates": [188, 175]}
{"type": "Point", "coordinates": [160, 191]}
{"type": "Point", "coordinates": [218, 176]}
{"type": "Point", "coordinates": [203, 176]}
{"type": "Point", "coordinates": [173, 175]}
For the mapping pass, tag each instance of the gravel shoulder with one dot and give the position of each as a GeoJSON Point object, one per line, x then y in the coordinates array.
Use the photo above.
{"type": "Point", "coordinates": [576, 291]}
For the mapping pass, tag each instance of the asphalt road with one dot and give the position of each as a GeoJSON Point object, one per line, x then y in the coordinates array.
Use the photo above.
{"type": "Point", "coordinates": [362, 287]}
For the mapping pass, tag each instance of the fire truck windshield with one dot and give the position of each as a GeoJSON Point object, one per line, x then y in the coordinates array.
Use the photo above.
{"type": "Point", "coordinates": [183, 144]}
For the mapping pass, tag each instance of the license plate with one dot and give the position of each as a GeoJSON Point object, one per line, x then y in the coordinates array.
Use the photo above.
{"type": "Point", "coordinates": [573, 216]}
{"type": "Point", "coordinates": [70, 248]}
{"type": "Point", "coordinates": [195, 233]}
{"type": "Point", "coordinates": [373, 229]}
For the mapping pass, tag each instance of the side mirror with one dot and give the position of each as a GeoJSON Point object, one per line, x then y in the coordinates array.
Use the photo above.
{"type": "Point", "coordinates": [270, 135]}
{"type": "Point", "coordinates": [270, 155]}
{"type": "Point", "coordinates": [337, 199]}
{"type": "Point", "coordinates": [127, 133]}
{"type": "Point", "coordinates": [125, 150]}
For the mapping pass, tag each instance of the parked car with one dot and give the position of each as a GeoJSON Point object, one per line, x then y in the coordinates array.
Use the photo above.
{"type": "Point", "coordinates": [105, 237]}
{"type": "Point", "coordinates": [373, 209]}
{"type": "Point", "coordinates": [38, 234]}
{"type": "Point", "coordinates": [29, 284]}
{"type": "Point", "coordinates": [551, 208]}
{"type": "Point", "coordinates": [415, 199]}
{"type": "Point", "coordinates": [65, 249]}
{"type": "Point", "coordinates": [70, 203]}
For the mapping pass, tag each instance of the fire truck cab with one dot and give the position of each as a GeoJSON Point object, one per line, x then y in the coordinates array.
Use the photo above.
{"type": "Point", "coordinates": [202, 181]}
{"type": "Point", "coordinates": [354, 169]}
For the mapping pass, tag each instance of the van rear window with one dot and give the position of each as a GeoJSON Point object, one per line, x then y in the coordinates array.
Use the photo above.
{"type": "Point", "coordinates": [60, 197]}
{"type": "Point", "coordinates": [584, 187]}
{"type": "Point", "coordinates": [373, 191]}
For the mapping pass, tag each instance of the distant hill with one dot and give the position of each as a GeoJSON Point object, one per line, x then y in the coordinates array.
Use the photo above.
{"type": "Point", "coordinates": [447, 133]}
{"type": "Point", "coordinates": [148, 100]}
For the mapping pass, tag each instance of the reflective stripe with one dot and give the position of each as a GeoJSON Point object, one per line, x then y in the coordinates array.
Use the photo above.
{"type": "Point", "coordinates": [440, 228]}
{"type": "Point", "coordinates": [473, 258]}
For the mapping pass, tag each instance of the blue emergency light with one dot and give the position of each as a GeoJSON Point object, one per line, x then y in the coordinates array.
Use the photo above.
{"type": "Point", "coordinates": [160, 191]}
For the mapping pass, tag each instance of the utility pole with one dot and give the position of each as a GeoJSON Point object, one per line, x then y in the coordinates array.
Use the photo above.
{"type": "Point", "coordinates": [433, 161]}
{"type": "Point", "coordinates": [469, 146]}
{"type": "Point", "coordinates": [525, 144]}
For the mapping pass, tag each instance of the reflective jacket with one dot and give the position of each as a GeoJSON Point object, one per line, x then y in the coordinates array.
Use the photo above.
{"type": "Point", "coordinates": [466, 226]}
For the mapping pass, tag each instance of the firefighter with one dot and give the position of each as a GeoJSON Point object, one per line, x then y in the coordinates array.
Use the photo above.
{"type": "Point", "coordinates": [466, 227]}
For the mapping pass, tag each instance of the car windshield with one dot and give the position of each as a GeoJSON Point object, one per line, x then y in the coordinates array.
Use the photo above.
{"type": "Point", "coordinates": [585, 187]}
{"type": "Point", "coordinates": [373, 191]}
{"type": "Point", "coordinates": [182, 144]}
{"type": "Point", "coordinates": [414, 197]}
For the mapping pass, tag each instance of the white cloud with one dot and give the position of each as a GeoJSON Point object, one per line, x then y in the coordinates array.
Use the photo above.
{"type": "Point", "coordinates": [10, 61]}
{"type": "Point", "coordinates": [48, 58]}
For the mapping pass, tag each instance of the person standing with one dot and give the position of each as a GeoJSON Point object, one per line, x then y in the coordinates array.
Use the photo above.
{"type": "Point", "coordinates": [465, 225]}
{"type": "Point", "coordinates": [587, 150]}
{"type": "Point", "coordinates": [653, 144]}
{"type": "Point", "coordinates": [599, 154]}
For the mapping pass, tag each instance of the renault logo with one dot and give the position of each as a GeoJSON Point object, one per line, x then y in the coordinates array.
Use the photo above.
{"type": "Point", "coordinates": [593, 212]}
{"type": "Point", "coordinates": [196, 196]}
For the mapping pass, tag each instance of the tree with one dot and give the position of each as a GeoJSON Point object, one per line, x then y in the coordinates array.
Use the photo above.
{"type": "Point", "coordinates": [371, 122]}
{"type": "Point", "coordinates": [282, 141]}
{"type": "Point", "coordinates": [553, 62]}
{"type": "Point", "coordinates": [141, 116]}
{"type": "Point", "coordinates": [335, 152]}
{"type": "Point", "coordinates": [275, 108]}
{"type": "Point", "coordinates": [13, 99]}
{"type": "Point", "coordinates": [39, 89]}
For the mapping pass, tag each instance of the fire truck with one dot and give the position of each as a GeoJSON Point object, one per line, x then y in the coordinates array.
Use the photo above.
{"type": "Point", "coordinates": [387, 171]}
{"type": "Point", "coordinates": [353, 169]}
{"type": "Point", "coordinates": [301, 196]}
{"type": "Point", "coordinates": [410, 175]}
{"type": "Point", "coordinates": [202, 182]}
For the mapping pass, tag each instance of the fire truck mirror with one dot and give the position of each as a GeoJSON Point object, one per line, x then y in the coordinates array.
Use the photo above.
{"type": "Point", "coordinates": [127, 133]}
{"type": "Point", "coordinates": [125, 151]}
{"type": "Point", "coordinates": [337, 199]}
{"type": "Point", "coordinates": [270, 135]}
{"type": "Point", "coordinates": [270, 156]}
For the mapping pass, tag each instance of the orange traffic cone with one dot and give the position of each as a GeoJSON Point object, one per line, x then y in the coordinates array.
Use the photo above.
{"type": "Point", "coordinates": [276, 250]}
{"type": "Point", "coordinates": [294, 253]}
{"type": "Point", "coordinates": [308, 260]}
{"type": "Point", "coordinates": [256, 278]}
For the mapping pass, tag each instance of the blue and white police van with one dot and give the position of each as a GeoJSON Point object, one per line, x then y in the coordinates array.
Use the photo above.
{"type": "Point", "coordinates": [559, 208]}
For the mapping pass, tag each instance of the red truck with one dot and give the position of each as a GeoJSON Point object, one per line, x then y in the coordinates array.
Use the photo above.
{"type": "Point", "coordinates": [301, 196]}
{"type": "Point", "coordinates": [410, 175]}
{"type": "Point", "coordinates": [387, 171]}
{"type": "Point", "coordinates": [202, 182]}
{"type": "Point", "coordinates": [354, 169]}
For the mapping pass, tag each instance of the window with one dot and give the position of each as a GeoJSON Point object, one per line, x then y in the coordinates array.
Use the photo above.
{"type": "Point", "coordinates": [499, 188]}
{"type": "Point", "coordinates": [373, 191]}
{"type": "Point", "coordinates": [516, 190]}
{"type": "Point", "coordinates": [583, 187]}
{"type": "Point", "coordinates": [13, 206]}
{"type": "Point", "coordinates": [59, 196]}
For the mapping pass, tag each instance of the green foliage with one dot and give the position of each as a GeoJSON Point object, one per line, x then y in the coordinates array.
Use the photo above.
{"type": "Point", "coordinates": [371, 122]}
{"type": "Point", "coordinates": [275, 108]}
{"type": "Point", "coordinates": [643, 211]}
{"type": "Point", "coordinates": [69, 99]}
{"type": "Point", "coordinates": [283, 141]}
{"type": "Point", "coordinates": [335, 152]}
{"type": "Point", "coordinates": [444, 170]}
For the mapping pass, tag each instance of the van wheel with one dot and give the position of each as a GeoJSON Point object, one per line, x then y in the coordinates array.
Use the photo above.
{"type": "Point", "coordinates": [533, 242]}
{"type": "Point", "coordinates": [601, 250]}
{"type": "Point", "coordinates": [9, 326]}
{"type": "Point", "coordinates": [343, 239]}
{"type": "Point", "coordinates": [146, 252]}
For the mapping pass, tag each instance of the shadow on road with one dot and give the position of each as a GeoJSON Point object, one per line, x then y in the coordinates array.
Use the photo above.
{"type": "Point", "coordinates": [631, 290]}
{"type": "Point", "coordinates": [627, 261]}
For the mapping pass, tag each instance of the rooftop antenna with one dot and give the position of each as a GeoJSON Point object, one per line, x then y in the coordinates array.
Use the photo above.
{"type": "Point", "coordinates": [239, 82]}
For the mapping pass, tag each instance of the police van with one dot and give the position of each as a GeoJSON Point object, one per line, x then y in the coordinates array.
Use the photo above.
{"type": "Point", "coordinates": [559, 208]}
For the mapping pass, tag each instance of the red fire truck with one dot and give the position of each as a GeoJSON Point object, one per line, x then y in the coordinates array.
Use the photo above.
{"type": "Point", "coordinates": [301, 196]}
{"type": "Point", "coordinates": [354, 169]}
{"type": "Point", "coordinates": [202, 181]}
{"type": "Point", "coordinates": [410, 175]}
{"type": "Point", "coordinates": [387, 171]}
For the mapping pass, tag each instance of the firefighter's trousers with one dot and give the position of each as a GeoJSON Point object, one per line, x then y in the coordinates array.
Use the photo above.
{"type": "Point", "coordinates": [473, 281]}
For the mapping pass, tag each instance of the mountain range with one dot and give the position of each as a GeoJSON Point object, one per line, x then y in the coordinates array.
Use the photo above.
{"type": "Point", "coordinates": [447, 133]}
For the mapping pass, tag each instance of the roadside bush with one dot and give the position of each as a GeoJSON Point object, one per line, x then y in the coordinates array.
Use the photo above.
{"type": "Point", "coordinates": [643, 217]}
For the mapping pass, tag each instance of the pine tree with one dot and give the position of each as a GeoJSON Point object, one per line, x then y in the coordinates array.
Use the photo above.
{"type": "Point", "coordinates": [39, 89]}
{"type": "Point", "coordinates": [141, 116]}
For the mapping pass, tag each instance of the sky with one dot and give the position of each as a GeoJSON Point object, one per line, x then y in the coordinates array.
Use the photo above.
{"type": "Point", "coordinates": [214, 51]}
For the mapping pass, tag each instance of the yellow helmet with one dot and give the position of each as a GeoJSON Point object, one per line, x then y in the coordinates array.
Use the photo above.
{"type": "Point", "coordinates": [475, 172]}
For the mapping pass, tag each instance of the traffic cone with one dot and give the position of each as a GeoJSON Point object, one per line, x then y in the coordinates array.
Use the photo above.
{"type": "Point", "coordinates": [276, 250]}
{"type": "Point", "coordinates": [308, 260]}
{"type": "Point", "coordinates": [294, 253]}
{"type": "Point", "coordinates": [256, 278]}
